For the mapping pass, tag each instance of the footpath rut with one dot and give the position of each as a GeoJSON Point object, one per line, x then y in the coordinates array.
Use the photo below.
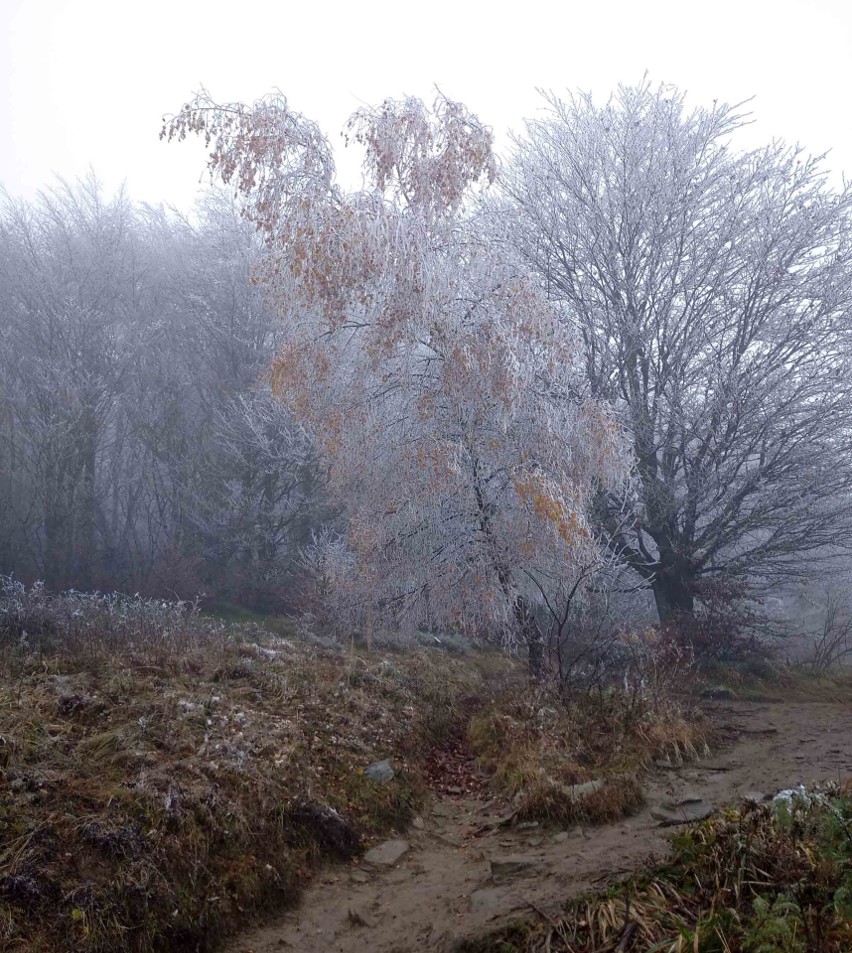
{"type": "Point", "coordinates": [442, 890]}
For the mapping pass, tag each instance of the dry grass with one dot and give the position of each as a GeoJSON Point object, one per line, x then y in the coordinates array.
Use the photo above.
{"type": "Point", "coordinates": [151, 798]}
{"type": "Point", "coordinates": [164, 777]}
{"type": "Point", "coordinates": [773, 682]}
{"type": "Point", "coordinates": [539, 748]}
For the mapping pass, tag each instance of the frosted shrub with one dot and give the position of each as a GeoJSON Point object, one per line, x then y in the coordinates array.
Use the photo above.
{"type": "Point", "coordinates": [37, 620]}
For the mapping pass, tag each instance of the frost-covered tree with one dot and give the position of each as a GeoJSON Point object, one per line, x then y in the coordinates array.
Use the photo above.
{"type": "Point", "coordinates": [136, 427]}
{"type": "Point", "coordinates": [437, 381]}
{"type": "Point", "coordinates": [713, 292]}
{"type": "Point", "coordinates": [241, 479]}
{"type": "Point", "coordinates": [69, 302]}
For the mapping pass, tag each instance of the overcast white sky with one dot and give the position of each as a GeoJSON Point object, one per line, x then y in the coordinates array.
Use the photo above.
{"type": "Point", "coordinates": [85, 82]}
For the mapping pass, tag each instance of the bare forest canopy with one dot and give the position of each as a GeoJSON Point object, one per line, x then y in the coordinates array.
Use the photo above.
{"type": "Point", "coordinates": [139, 447]}
{"type": "Point", "coordinates": [489, 397]}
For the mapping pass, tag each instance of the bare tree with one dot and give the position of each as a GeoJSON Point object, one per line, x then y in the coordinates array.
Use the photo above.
{"type": "Point", "coordinates": [241, 476]}
{"type": "Point", "coordinates": [136, 434]}
{"type": "Point", "coordinates": [832, 644]}
{"type": "Point", "coordinates": [713, 292]}
{"type": "Point", "coordinates": [68, 283]}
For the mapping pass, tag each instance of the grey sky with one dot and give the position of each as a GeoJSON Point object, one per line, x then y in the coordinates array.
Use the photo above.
{"type": "Point", "coordinates": [85, 82]}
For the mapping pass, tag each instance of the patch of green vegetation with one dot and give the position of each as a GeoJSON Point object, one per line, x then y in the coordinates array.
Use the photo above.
{"type": "Point", "coordinates": [377, 808]}
{"type": "Point", "coordinates": [773, 878]}
{"type": "Point", "coordinates": [512, 938]}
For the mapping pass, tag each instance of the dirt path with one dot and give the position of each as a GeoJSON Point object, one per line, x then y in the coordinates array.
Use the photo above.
{"type": "Point", "coordinates": [442, 888]}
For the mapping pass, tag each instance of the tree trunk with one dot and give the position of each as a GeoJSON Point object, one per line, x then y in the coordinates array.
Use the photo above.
{"type": "Point", "coordinates": [531, 634]}
{"type": "Point", "coordinates": [86, 540]}
{"type": "Point", "coordinates": [535, 655]}
{"type": "Point", "coordinates": [673, 593]}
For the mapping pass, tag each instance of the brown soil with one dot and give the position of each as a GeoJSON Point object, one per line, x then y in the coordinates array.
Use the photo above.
{"type": "Point", "coordinates": [441, 890]}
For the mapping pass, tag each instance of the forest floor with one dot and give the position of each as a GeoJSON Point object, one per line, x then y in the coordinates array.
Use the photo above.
{"type": "Point", "coordinates": [464, 869]}
{"type": "Point", "coordinates": [167, 781]}
{"type": "Point", "coordinates": [159, 787]}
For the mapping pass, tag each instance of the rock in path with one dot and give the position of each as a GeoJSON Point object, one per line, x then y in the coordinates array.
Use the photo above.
{"type": "Point", "coordinates": [489, 900]}
{"type": "Point", "coordinates": [387, 854]}
{"type": "Point", "coordinates": [442, 809]}
{"type": "Point", "coordinates": [513, 865]}
{"type": "Point", "coordinates": [682, 812]}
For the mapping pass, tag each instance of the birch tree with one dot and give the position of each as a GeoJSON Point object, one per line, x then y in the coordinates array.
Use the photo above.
{"type": "Point", "coordinates": [713, 291]}
{"type": "Point", "coordinates": [438, 383]}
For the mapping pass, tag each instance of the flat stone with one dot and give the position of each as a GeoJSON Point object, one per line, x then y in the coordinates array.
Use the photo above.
{"type": "Point", "coordinates": [359, 877]}
{"type": "Point", "coordinates": [578, 791]}
{"type": "Point", "coordinates": [387, 854]}
{"type": "Point", "coordinates": [682, 812]}
{"type": "Point", "coordinates": [527, 825]}
{"type": "Point", "coordinates": [418, 824]}
{"type": "Point", "coordinates": [576, 833]}
{"type": "Point", "coordinates": [535, 841]}
{"type": "Point", "coordinates": [380, 771]}
{"type": "Point", "coordinates": [489, 900]}
{"type": "Point", "coordinates": [513, 865]}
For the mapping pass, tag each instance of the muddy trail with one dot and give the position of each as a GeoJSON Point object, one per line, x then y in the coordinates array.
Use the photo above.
{"type": "Point", "coordinates": [462, 869]}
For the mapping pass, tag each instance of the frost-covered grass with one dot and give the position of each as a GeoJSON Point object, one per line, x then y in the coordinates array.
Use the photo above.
{"type": "Point", "coordinates": [96, 625]}
{"type": "Point", "coordinates": [163, 776]}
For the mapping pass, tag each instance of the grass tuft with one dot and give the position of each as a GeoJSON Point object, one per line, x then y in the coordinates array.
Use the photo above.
{"type": "Point", "coordinates": [581, 760]}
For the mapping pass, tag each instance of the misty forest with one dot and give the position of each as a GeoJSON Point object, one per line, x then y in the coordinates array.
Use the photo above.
{"type": "Point", "coordinates": [398, 567]}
